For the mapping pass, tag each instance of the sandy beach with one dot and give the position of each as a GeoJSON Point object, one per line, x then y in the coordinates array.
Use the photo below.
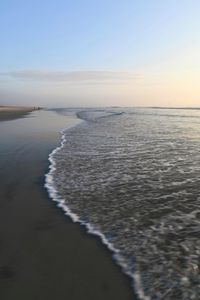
{"type": "Point", "coordinates": [43, 254]}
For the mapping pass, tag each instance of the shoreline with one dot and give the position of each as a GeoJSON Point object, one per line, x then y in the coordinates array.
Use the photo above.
{"type": "Point", "coordinates": [60, 203]}
{"type": "Point", "coordinates": [44, 255]}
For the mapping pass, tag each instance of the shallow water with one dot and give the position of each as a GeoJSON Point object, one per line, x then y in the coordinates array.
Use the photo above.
{"type": "Point", "coordinates": [133, 176]}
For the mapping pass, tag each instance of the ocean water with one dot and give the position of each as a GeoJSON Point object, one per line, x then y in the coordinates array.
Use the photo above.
{"type": "Point", "coordinates": [132, 176]}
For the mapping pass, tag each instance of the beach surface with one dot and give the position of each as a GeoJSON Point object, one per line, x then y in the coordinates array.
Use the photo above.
{"type": "Point", "coordinates": [43, 254]}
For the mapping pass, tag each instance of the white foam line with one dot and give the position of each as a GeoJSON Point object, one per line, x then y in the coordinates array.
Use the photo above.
{"type": "Point", "coordinates": [54, 195]}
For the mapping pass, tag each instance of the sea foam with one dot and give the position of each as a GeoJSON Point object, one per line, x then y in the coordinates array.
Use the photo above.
{"type": "Point", "coordinates": [132, 179]}
{"type": "Point", "coordinates": [54, 195]}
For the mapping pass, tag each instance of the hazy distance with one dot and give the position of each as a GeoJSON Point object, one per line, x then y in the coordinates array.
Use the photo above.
{"type": "Point", "coordinates": [97, 53]}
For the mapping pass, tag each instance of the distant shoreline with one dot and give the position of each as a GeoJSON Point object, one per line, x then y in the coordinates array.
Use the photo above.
{"type": "Point", "coordinates": [14, 112]}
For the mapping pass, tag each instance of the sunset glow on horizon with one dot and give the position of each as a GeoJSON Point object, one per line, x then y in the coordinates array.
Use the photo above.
{"type": "Point", "coordinates": [100, 53]}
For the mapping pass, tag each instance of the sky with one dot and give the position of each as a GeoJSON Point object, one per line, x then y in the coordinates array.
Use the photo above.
{"type": "Point", "coordinates": [100, 52]}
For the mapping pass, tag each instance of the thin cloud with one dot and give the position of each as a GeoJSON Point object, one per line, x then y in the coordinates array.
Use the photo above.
{"type": "Point", "coordinates": [73, 77]}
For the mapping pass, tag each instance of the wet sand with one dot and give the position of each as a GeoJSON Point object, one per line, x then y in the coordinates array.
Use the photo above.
{"type": "Point", "coordinates": [43, 255]}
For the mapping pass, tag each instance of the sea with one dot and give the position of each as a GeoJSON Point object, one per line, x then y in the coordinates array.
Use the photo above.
{"type": "Point", "coordinates": [132, 177]}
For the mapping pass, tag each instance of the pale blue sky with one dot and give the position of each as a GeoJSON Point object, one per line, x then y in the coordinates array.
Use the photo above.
{"type": "Point", "coordinates": [156, 41]}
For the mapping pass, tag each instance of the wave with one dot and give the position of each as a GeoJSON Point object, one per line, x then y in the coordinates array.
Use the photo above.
{"type": "Point", "coordinates": [133, 182]}
{"type": "Point", "coordinates": [54, 195]}
{"type": "Point", "coordinates": [94, 115]}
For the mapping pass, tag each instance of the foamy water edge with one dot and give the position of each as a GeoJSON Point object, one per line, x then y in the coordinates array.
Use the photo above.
{"type": "Point", "coordinates": [54, 195]}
